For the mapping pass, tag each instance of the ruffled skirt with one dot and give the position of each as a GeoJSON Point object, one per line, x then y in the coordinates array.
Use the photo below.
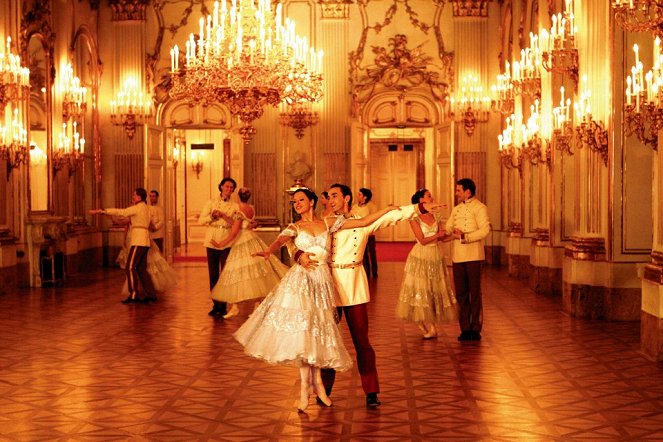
{"type": "Point", "coordinates": [246, 277]}
{"type": "Point", "coordinates": [426, 293]}
{"type": "Point", "coordinates": [296, 323]}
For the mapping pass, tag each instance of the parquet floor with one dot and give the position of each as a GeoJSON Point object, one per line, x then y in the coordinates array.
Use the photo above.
{"type": "Point", "coordinates": [77, 365]}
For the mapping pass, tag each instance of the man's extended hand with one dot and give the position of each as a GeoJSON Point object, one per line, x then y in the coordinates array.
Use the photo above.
{"type": "Point", "coordinates": [306, 260]}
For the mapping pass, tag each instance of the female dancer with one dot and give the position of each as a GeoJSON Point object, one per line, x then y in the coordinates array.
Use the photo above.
{"type": "Point", "coordinates": [426, 296]}
{"type": "Point", "coordinates": [296, 323]}
{"type": "Point", "coordinates": [245, 276]}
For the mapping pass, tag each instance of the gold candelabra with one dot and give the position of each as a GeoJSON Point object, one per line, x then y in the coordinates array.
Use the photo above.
{"type": "Point", "coordinates": [503, 93]}
{"type": "Point", "coordinates": [130, 108]}
{"type": "Point", "coordinates": [562, 127]}
{"type": "Point", "coordinates": [74, 102]}
{"type": "Point", "coordinates": [559, 53]}
{"type": "Point", "coordinates": [639, 15]}
{"type": "Point", "coordinates": [470, 106]}
{"type": "Point", "coordinates": [197, 163]}
{"type": "Point", "coordinates": [14, 79]}
{"type": "Point", "coordinates": [590, 133]}
{"type": "Point", "coordinates": [299, 116]}
{"type": "Point", "coordinates": [535, 148]}
{"type": "Point", "coordinates": [70, 149]}
{"type": "Point", "coordinates": [14, 138]}
{"type": "Point", "coordinates": [526, 73]}
{"type": "Point", "coordinates": [643, 108]}
{"type": "Point", "coordinates": [247, 59]}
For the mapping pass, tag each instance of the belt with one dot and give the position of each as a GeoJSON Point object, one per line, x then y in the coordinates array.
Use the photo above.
{"type": "Point", "coordinates": [345, 266]}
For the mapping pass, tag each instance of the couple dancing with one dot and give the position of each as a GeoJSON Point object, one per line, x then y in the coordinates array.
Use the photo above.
{"type": "Point", "coordinates": [296, 324]}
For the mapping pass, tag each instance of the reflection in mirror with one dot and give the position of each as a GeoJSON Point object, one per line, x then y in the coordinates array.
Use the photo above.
{"type": "Point", "coordinates": [39, 118]}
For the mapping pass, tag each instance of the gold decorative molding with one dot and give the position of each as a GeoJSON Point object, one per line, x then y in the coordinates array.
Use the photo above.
{"type": "Point", "coordinates": [586, 249]}
{"type": "Point", "coordinates": [128, 10]}
{"type": "Point", "coordinates": [335, 9]}
{"type": "Point", "coordinates": [399, 67]}
{"type": "Point", "coordinates": [654, 270]}
{"type": "Point", "coordinates": [470, 8]}
{"type": "Point", "coordinates": [541, 237]}
{"type": "Point", "coordinates": [37, 21]}
{"type": "Point", "coordinates": [515, 230]}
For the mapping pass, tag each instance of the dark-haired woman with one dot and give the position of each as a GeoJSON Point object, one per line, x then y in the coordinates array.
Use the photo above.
{"type": "Point", "coordinates": [426, 296]}
{"type": "Point", "coordinates": [296, 323]}
{"type": "Point", "coordinates": [245, 276]}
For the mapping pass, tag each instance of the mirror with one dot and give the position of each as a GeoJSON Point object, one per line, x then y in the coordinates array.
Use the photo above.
{"type": "Point", "coordinates": [39, 117]}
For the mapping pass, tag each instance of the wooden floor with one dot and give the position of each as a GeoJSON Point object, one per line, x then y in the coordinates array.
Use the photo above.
{"type": "Point", "coordinates": [76, 364]}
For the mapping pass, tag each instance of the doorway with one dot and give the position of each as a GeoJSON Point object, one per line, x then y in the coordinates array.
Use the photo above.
{"type": "Point", "coordinates": [396, 171]}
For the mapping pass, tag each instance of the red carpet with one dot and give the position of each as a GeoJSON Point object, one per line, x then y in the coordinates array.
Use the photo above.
{"type": "Point", "coordinates": [393, 251]}
{"type": "Point", "coordinates": [386, 251]}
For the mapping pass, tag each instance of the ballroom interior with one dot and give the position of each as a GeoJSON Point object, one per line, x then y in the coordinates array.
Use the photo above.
{"type": "Point", "coordinates": [543, 103]}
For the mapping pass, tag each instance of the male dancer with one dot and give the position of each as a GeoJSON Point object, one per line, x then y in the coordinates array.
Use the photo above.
{"type": "Point", "coordinates": [347, 250]}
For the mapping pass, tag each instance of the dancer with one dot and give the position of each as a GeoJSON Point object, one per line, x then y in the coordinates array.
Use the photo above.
{"type": "Point", "coordinates": [326, 209]}
{"type": "Point", "coordinates": [246, 277]}
{"type": "Point", "coordinates": [350, 278]}
{"type": "Point", "coordinates": [139, 240]}
{"type": "Point", "coordinates": [469, 225]}
{"type": "Point", "coordinates": [296, 323]}
{"type": "Point", "coordinates": [426, 296]}
{"type": "Point", "coordinates": [365, 207]}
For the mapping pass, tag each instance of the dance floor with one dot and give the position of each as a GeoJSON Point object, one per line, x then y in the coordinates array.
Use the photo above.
{"type": "Point", "coordinates": [77, 365]}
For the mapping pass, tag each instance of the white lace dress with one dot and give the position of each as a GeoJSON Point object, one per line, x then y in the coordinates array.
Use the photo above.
{"type": "Point", "coordinates": [244, 276]}
{"type": "Point", "coordinates": [296, 323]}
{"type": "Point", "coordinates": [426, 293]}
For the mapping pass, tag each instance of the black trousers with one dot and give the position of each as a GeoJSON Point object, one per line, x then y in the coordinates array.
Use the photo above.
{"type": "Point", "coordinates": [159, 243]}
{"type": "Point", "coordinates": [216, 260]}
{"type": "Point", "coordinates": [370, 257]}
{"type": "Point", "coordinates": [467, 282]}
{"type": "Point", "coordinates": [136, 269]}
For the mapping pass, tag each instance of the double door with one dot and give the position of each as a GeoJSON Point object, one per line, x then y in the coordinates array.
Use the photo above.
{"type": "Point", "coordinates": [396, 171]}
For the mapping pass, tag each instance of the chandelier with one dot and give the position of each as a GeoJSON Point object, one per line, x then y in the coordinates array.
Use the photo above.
{"type": "Point", "coordinates": [247, 59]}
{"type": "Point", "coordinates": [471, 106]}
{"type": "Point", "coordinates": [130, 107]}
{"type": "Point", "coordinates": [74, 104]}
{"type": "Point", "coordinates": [70, 149]}
{"type": "Point", "coordinates": [559, 52]}
{"type": "Point", "coordinates": [14, 142]}
{"type": "Point", "coordinates": [14, 79]}
{"type": "Point", "coordinates": [643, 110]}
{"type": "Point", "coordinates": [639, 15]}
{"type": "Point", "coordinates": [299, 116]}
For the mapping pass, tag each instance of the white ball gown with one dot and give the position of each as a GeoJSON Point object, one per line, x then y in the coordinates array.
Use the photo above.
{"type": "Point", "coordinates": [244, 276]}
{"type": "Point", "coordinates": [296, 322]}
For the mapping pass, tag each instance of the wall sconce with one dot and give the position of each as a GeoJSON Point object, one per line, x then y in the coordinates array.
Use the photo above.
{"type": "Point", "coordinates": [638, 15]}
{"type": "Point", "coordinates": [74, 102]}
{"type": "Point", "coordinates": [130, 108]}
{"type": "Point", "coordinates": [14, 147]}
{"type": "Point", "coordinates": [559, 52]}
{"type": "Point", "coordinates": [70, 150]}
{"type": "Point", "coordinates": [37, 155]}
{"type": "Point", "coordinates": [14, 79]}
{"type": "Point", "coordinates": [526, 73]}
{"type": "Point", "coordinates": [197, 162]}
{"type": "Point", "coordinates": [643, 110]}
{"type": "Point", "coordinates": [562, 128]}
{"type": "Point", "coordinates": [509, 148]}
{"type": "Point", "coordinates": [299, 116]}
{"type": "Point", "coordinates": [470, 106]}
{"type": "Point", "coordinates": [590, 133]}
{"type": "Point", "coordinates": [179, 145]}
{"type": "Point", "coordinates": [535, 148]}
{"type": "Point", "coordinates": [503, 93]}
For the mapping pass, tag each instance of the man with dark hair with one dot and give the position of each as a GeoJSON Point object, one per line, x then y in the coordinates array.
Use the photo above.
{"type": "Point", "coordinates": [469, 225]}
{"type": "Point", "coordinates": [223, 221]}
{"type": "Point", "coordinates": [347, 250]}
{"type": "Point", "coordinates": [364, 208]}
{"type": "Point", "coordinates": [157, 220]}
{"type": "Point", "coordinates": [139, 242]}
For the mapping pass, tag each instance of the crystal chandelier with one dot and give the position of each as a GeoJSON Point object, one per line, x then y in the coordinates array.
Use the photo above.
{"type": "Point", "coordinates": [246, 58]}
{"type": "Point", "coordinates": [130, 107]}
{"type": "Point", "coordinates": [14, 79]}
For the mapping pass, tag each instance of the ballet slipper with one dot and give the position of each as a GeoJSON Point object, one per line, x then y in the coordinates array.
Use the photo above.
{"type": "Point", "coordinates": [319, 388]}
{"type": "Point", "coordinates": [432, 332]}
{"type": "Point", "coordinates": [422, 327]}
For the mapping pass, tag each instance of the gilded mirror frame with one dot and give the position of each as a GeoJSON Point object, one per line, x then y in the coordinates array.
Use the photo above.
{"type": "Point", "coordinates": [35, 23]}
